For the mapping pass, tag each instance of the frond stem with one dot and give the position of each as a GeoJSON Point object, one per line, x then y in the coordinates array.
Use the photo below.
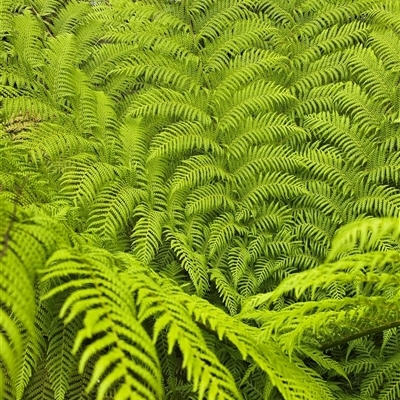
{"type": "Point", "coordinates": [367, 332]}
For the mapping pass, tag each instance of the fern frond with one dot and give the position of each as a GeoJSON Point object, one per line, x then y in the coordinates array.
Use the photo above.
{"type": "Point", "coordinates": [196, 171]}
{"type": "Point", "coordinates": [259, 96]}
{"type": "Point", "coordinates": [170, 104]}
{"type": "Point", "coordinates": [363, 234]}
{"type": "Point", "coordinates": [269, 186]}
{"type": "Point", "coordinates": [146, 234]}
{"type": "Point", "coordinates": [204, 370]}
{"type": "Point", "coordinates": [113, 209]}
{"type": "Point", "coordinates": [223, 229]}
{"type": "Point", "coordinates": [192, 261]}
{"type": "Point", "coordinates": [130, 365]}
{"type": "Point", "coordinates": [69, 17]}
{"type": "Point", "coordinates": [180, 138]}
{"type": "Point", "coordinates": [39, 387]}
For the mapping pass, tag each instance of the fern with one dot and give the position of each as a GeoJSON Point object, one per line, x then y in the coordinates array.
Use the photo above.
{"type": "Point", "coordinates": [199, 199]}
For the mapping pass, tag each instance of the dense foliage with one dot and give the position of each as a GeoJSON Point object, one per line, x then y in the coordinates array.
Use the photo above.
{"type": "Point", "coordinates": [200, 199]}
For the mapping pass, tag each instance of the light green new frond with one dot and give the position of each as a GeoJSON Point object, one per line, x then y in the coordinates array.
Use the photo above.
{"type": "Point", "coordinates": [346, 270]}
{"type": "Point", "coordinates": [152, 11]}
{"type": "Point", "coordinates": [265, 158]}
{"type": "Point", "coordinates": [55, 143]}
{"type": "Point", "coordinates": [328, 164]}
{"type": "Point", "coordinates": [277, 12]}
{"type": "Point", "coordinates": [327, 199]}
{"type": "Point", "coordinates": [228, 294]}
{"type": "Point", "coordinates": [13, 270]}
{"type": "Point", "coordinates": [61, 59]}
{"type": "Point", "coordinates": [26, 244]}
{"type": "Point", "coordinates": [162, 71]}
{"type": "Point", "coordinates": [270, 217]}
{"type": "Point", "coordinates": [213, 18]}
{"type": "Point", "coordinates": [386, 14]}
{"type": "Point", "coordinates": [372, 76]}
{"type": "Point", "coordinates": [46, 7]}
{"type": "Point", "coordinates": [364, 235]}
{"type": "Point", "coordinates": [323, 360]}
{"type": "Point", "coordinates": [363, 363]}
{"type": "Point", "coordinates": [316, 99]}
{"type": "Point", "coordinates": [84, 177]}
{"type": "Point", "coordinates": [320, 75]}
{"type": "Point", "coordinates": [331, 14]}
{"type": "Point", "coordinates": [283, 373]}
{"type": "Point", "coordinates": [126, 360]}
{"type": "Point", "coordinates": [239, 260]}
{"type": "Point", "coordinates": [243, 34]}
{"type": "Point", "coordinates": [28, 44]}
{"type": "Point", "coordinates": [386, 46]}
{"type": "Point", "coordinates": [92, 112]}
{"type": "Point", "coordinates": [337, 130]}
{"type": "Point", "coordinates": [6, 23]}
{"type": "Point", "coordinates": [79, 382]}
{"type": "Point", "coordinates": [134, 140]}
{"type": "Point", "coordinates": [244, 69]}
{"type": "Point", "coordinates": [364, 111]}
{"type": "Point", "coordinates": [28, 365]}
{"type": "Point", "coordinates": [248, 284]}
{"type": "Point", "coordinates": [208, 376]}
{"type": "Point", "coordinates": [26, 111]}
{"type": "Point", "coordinates": [385, 170]}
{"type": "Point", "coordinates": [331, 40]}
{"type": "Point", "coordinates": [378, 201]}
{"type": "Point", "coordinates": [386, 371]}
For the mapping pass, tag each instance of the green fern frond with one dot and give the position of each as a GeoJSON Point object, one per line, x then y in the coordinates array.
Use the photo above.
{"type": "Point", "coordinates": [259, 96]}
{"type": "Point", "coordinates": [60, 360]}
{"type": "Point", "coordinates": [113, 209]}
{"type": "Point", "coordinates": [223, 229]}
{"type": "Point", "coordinates": [171, 104]}
{"type": "Point", "coordinates": [229, 296]}
{"type": "Point", "coordinates": [389, 370]}
{"type": "Point", "coordinates": [131, 365]}
{"type": "Point", "coordinates": [69, 17]}
{"type": "Point", "coordinates": [267, 128]}
{"type": "Point", "coordinates": [180, 138]}
{"type": "Point", "coordinates": [39, 385]}
{"type": "Point", "coordinates": [146, 235]}
{"type": "Point", "coordinates": [204, 370]}
{"type": "Point", "coordinates": [363, 234]}
{"type": "Point", "coordinates": [209, 198]}
{"type": "Point", "coordinates": [196, 171]}
{"type": "Point", "coordinates": [373, 77]}
{"type": "Point", "coordinates": [192, 261]}
{"type": "Point", "coordinates": [270, 186]}
{"type": "Point", "coordinates": [60, 73]}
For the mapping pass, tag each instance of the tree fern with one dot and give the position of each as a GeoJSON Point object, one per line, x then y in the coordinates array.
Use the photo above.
{"type": "Point", "coordinates": [199, 199]}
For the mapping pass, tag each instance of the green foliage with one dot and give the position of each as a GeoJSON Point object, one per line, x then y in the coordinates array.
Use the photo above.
{"type": "Point", "coordinates": [199, 199]}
